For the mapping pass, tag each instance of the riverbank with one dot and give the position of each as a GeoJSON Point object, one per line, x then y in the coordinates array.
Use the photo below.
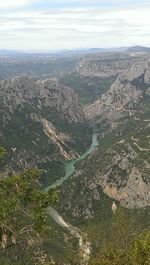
{"type": "Point", "coordinates": [84, 245]}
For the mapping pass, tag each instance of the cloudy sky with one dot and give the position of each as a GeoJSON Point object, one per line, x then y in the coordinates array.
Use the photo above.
{"type": "Point", "coordinates": [69, 24]}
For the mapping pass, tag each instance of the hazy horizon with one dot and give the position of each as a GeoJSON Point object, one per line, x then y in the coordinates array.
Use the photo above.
{"type": "Point", "coordinates": [69, 50]}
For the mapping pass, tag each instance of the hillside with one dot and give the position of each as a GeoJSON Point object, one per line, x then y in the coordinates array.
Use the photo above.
{"type": "Point", "coordinates": [90, 75]}
{"type": "Point", "coordinates": [42, 124]}
{"type": "Point", "coordinates": [120, 167]}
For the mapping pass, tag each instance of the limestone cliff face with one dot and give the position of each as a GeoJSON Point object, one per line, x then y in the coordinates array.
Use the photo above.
{"type": "Point", "coordinates": [127, 91]}
{"type": "Point", "coordinates": [41, 122]}
{"type": "Point", "coordinates": [119, 172]}
{"type": "Point", "coordinates": [14, 93]}
{"type": "Point", "coordinates": [120, 167]}
{"type": "Point", "coordinates": [103, 66]}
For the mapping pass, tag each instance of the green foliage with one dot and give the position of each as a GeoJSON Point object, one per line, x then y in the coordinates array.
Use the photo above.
{"type": "Point", "coordinates": [126, 243]}
{"type": "Point", "coordinates": [140, 249]}
{"type": "Point", "coordinates": [23, 214]}
{"type": "Point", "coordinates": [124, 227]}
{"type": "Point", "coordinates": [138, 253]}
{"type": "Point", "coordinates": [23, 204]}
{"type": "Point", "coordinates": [88, 88]}
{"type": "Point", "coordinates": [2, 152]}
{"type": "Point", "coordinates": [73, 259]}
{"type": "Point", "coordinates": [37, 67]}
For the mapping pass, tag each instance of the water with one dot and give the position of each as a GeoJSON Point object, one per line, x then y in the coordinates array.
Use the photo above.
{"type": "Point", "coordinates": [84, 245]}
{"type": "Point", "coordinates": [69, 167]}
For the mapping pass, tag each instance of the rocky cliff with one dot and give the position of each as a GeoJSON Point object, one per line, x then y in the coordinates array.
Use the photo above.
{"type": "Point", "coordinates": [107, 64]}
{"type": "Point", "coordinates": [42, 124]}
{"type": "Point", "coordinates": [124, 96]}
{"type": "Point", "coordinates": [120, 167]}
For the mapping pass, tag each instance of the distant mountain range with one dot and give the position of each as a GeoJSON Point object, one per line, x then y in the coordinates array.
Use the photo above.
{"type": "Point", "coordinates": [78, 51]}
{"type": "Point", "coordinates": [139, 49]}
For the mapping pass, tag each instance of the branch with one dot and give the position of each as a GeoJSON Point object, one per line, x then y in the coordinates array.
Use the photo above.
{"type": "Point", "coordinates": [23, 230]}
{"type": "Point", "coordinates": [27, 214]}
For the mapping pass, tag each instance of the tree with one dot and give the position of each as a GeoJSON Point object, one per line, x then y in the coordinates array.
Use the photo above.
{"type": "Point", "coordinates": [23, 208]}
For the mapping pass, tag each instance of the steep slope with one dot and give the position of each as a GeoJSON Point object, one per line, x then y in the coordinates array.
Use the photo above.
{"type": "Point", "coordinates": [107, 64]}
{"type": "Point", "coordinates": [124, 96]}
{"type": "Point", "coordinates": [95, 73]}
{"type": "Point", "coordinates": [120, 167]}
{"type": "Point", "coordinates": [42, 124]}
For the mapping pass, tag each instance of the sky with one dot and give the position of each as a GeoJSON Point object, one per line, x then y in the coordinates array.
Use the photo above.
{"type": "Point", "coordinates": [47, 25]}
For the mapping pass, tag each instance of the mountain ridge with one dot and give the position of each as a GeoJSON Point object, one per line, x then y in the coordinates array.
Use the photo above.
{"type": "Point", "coordinates": [120, 166]}
{"type": "Point", "coordinates": [37, 116]}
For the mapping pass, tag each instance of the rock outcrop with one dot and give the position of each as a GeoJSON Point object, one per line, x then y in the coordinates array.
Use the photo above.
{"type": "Point", "coordinates": [120, 167]}
{"type": "Point", "coordinates": [14, 93]}
{"type": "Point", "coordinates": [41, 122]}
{"type": "Point", "coordinates": [106, 65]}
{"type": "Point", "coordinates": [123, 96]}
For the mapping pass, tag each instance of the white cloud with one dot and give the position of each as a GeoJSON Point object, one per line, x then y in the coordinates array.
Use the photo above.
{"type": "Point", "coordinates": [15, 3]}
{"type": "Point", "coordinates": [72, 28]}
{"type": "Point", "coordinates": [6, 4]}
